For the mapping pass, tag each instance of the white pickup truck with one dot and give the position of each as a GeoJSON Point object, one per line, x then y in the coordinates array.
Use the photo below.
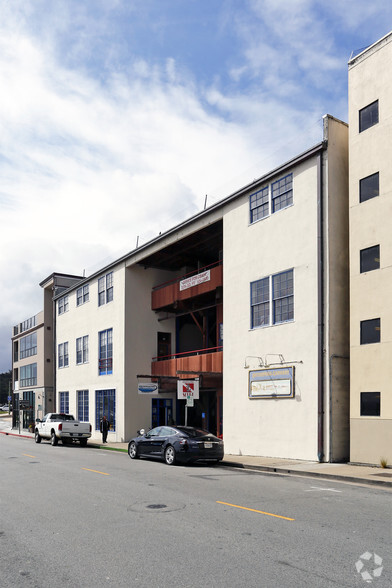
{"type": "Point", "coordinates": [55, 426]}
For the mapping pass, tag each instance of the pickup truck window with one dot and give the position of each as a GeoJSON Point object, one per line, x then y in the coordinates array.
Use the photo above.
{"type": "Point", "coordinates": [62, 417]}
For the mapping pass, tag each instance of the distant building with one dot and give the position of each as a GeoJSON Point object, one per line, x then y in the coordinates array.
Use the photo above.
{"type": "Point", "coordinates": [249, 298]}
{"type": "Point", "coordinates": [33, 367]}
{"type": "Point", "coordinates": [370, 148]}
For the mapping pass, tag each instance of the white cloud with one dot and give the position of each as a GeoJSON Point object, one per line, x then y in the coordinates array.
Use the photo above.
{"type": "Point", "coordinates": [100, 144]}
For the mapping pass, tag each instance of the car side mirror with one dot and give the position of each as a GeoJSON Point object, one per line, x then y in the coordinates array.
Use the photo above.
{"type": "Point", "coordinates": [142, 432]}
{"type": "Point", "coordinates": [37, 420]}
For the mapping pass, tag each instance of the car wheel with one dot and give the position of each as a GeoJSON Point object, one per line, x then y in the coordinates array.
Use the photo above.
{"type": "Point", "coordinates": [37, 437]}
{"type": "Point", "coordinates": [132, 450]}
{"type": "Point", "coordinates": [170, 455]}
{"type": "Point", "coordinates": [53, 439]}
{"type": "Point", "coordinates": [83, 443]}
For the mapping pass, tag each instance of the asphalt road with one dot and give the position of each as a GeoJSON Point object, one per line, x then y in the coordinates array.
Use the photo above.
{"type": "Point", "coordinates": [79, 517]}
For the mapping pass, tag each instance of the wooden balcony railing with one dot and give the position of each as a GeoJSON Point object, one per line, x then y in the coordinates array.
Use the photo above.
{"type": "Point", "coordinates": [202, 360]}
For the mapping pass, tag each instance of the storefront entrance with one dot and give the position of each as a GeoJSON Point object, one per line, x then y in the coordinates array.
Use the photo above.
{"type": "Point", "coordinates": [203, 414]}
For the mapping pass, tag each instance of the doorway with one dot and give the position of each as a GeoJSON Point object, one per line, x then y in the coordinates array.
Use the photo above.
{"type": "Point", "coordinates": [161, 412]}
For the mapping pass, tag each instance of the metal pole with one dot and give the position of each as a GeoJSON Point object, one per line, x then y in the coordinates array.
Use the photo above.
{"type": "Point", "coordinates": [186, 413]}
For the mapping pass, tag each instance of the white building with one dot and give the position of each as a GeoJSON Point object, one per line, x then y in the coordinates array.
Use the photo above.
{"type": "Point", "coordinates": [267, 270]}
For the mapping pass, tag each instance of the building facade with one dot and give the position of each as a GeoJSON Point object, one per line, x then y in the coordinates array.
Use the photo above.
{"type": "Point", "coordinates": [33, 365]}
{"type": "Point", "coordinates": [370, 186]}
{"type": "Point", "coordinates": [248, 299]}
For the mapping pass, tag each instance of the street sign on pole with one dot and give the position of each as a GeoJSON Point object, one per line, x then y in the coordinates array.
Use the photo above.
{"type": "Point", "coordinates": [190, 401]}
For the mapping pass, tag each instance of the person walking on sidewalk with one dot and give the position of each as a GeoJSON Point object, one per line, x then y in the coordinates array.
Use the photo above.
{"type": "Point", "coordinates": [105, 425]}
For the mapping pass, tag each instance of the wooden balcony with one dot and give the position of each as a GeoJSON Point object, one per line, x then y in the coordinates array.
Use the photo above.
{"type": "Point", "coordinates": [201, 361]}
{"type": "Point", "coordinates": [189, 286]}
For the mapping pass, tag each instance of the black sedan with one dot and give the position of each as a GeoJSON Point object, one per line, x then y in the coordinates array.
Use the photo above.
{"type": "Point", "coordinates": [176, 444]}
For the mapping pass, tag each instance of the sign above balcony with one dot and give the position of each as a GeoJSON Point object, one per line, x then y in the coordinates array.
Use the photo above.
{"type": "Point", "coordinates": [195, 280]}
{"type": "Point", "coordinates": [187, 389]}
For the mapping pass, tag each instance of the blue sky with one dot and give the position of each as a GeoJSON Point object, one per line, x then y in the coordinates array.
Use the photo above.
{"type": "Point", "coordinates": [117, 117]}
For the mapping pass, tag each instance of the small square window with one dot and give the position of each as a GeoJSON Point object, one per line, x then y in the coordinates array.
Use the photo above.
{"type": "Point", "coordinates": [370, 404]}
{"type": "Point", "coordinates": [370, 331]}
{"type": "Point", "coordinates": [369, 187]}
{"type": "Point", "coordinates": [368, 116]}
{"type": "Point", "coordinates": [370, 259]}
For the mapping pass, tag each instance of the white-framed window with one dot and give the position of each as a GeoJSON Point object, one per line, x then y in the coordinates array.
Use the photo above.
{"type": "Point", "coordinates": [272, 299]}
{"type": "Point", "coordinates": [64, 402]}
{"type": "Point", "coordinates": [63, 304]}
{"type": "Point", "coordinates": [271, 198]}
{"type": "Point", "coordinates": [105, 289]}
{"type": "Point", "coordinates": [82, 295]}
{"type": "Point", "coordinates": [105, 352]}
{"type": "Point", "coordinates": [83, 405]}
{"type": "Point", "coordinates": [63, 358]}
{"type": "Point", "coordinates": [82, 350]}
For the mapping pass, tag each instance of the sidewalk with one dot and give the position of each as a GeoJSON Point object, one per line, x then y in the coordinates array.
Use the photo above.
{"type": "Point", "coordinates": [343, 472]}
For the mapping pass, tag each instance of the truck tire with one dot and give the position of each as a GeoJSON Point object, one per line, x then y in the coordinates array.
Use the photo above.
{"type": "Point", "coordinates": [37, 437]}
{"type": "Point", "coordinates": [53, 439]}
{"type": "Point", "coordinates": [83, 443]}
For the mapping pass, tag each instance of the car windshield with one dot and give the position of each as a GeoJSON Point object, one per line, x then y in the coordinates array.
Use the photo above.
{"type": "Point", "coordinates": [192, 432]}
{"type": "Point", "coordinates": [62, 417]}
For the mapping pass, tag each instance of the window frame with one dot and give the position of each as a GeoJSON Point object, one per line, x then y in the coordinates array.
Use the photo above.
{"type": "Point", "coordinates": [83, 404]}
{"type": "Point", "coordinates": [267, 285]}
{"type": "Point", "coordinates": [376, 328]}
{"type": "Point", "coordinates": [82, 295]}
{"type": "Point", "coordinates": [64, 402]}
{"type": "Point", "coordinates": [63, 355]}
{"type": "Point", "coordinates": [364, 404]}
{"type": "Point", "coordinates": [365, 188]}
{"type": "Point", "coordinates": [28, 346]}
{"type": "Point", "coordinates": [105, 404]}
{"type": "Point", "coordinates": [363, 268]}
{"type": "Point", "coordinates": [105, 352]}
{"type": "Point", "coordinates": [282, 298]}
{"type": "Point", "coordinates": [63, 304]}
{"type": "Point", "coordinates": [271, 198]}
{"type": "Point", "coordinates": [82, 351]}
{"type": "Point", "coordinates": [29, 372]}
{"type": "Point", "coordinates": [105, 289]}
{"type": "Point", "coordinates": [366, 110]}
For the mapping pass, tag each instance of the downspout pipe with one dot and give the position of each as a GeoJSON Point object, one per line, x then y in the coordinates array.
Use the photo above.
{"type": "Point", "coordinates": [320, 310]}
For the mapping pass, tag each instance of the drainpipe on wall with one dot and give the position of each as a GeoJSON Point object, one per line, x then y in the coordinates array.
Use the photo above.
{"type": "Point", "coordinates": [320, 312]}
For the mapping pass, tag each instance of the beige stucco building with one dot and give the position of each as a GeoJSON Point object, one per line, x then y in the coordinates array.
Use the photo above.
{"type": "Point", "coordinates": [370, 185]}
{"type": "Point", "coordinates": [249, 297]}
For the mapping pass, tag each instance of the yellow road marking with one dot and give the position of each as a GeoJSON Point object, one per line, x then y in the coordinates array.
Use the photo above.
{"type": "Point", "coordinates": [27, 455]}
{"type": "Point", "coordinates": [254, 510]}
{"type": "Point", "coordinates": [96, 471]}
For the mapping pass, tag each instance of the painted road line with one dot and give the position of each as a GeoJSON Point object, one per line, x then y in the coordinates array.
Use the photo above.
{"type": "Point", "coordinates": [27, 455]}
{"type": "Point", "coordinates": [254, 510]}
{"type": "Point", "coordinates": [317, 488]}
{"type": "Point", "coordinates": [96, 472]}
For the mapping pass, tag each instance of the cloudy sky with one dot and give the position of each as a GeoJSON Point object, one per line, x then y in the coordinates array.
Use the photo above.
{"type": "Point", "coordinates": [118, 117]}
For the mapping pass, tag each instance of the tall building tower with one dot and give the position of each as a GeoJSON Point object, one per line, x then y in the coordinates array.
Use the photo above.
{"type": "Point", "coordinates": [370, 196]}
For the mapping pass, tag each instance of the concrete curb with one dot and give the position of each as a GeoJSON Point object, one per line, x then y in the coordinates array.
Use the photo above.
{"type": "Point", "coordinates": [302, 473]}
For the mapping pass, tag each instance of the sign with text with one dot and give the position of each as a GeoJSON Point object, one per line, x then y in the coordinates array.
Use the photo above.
{"type": "Point", "coordinates": [148, 388]}
{"type": "Point", "coordinates": [195, 280]}
{"type": "Point", "coordinates": [272, 383]}
{"type": "Point", "coordinates": [187, 389]}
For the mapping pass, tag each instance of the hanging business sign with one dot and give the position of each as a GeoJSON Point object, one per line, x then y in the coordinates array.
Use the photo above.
{"type": "Point", "coordinates": [148, 388]}
{"type": "Point", "coordinates": [187, 389]}
{"type": "Point", "coordinates": [272, 383]}
{"type": "Point", "coordinates": [195, 280]}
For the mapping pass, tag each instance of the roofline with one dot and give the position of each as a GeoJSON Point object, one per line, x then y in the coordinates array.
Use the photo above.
{"type": "Point", "coordinates": [318, 148]}
{"type": "Point", "coordinates": [54, 274]}
{"type": "Point", "coordinates": [361, 54]}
